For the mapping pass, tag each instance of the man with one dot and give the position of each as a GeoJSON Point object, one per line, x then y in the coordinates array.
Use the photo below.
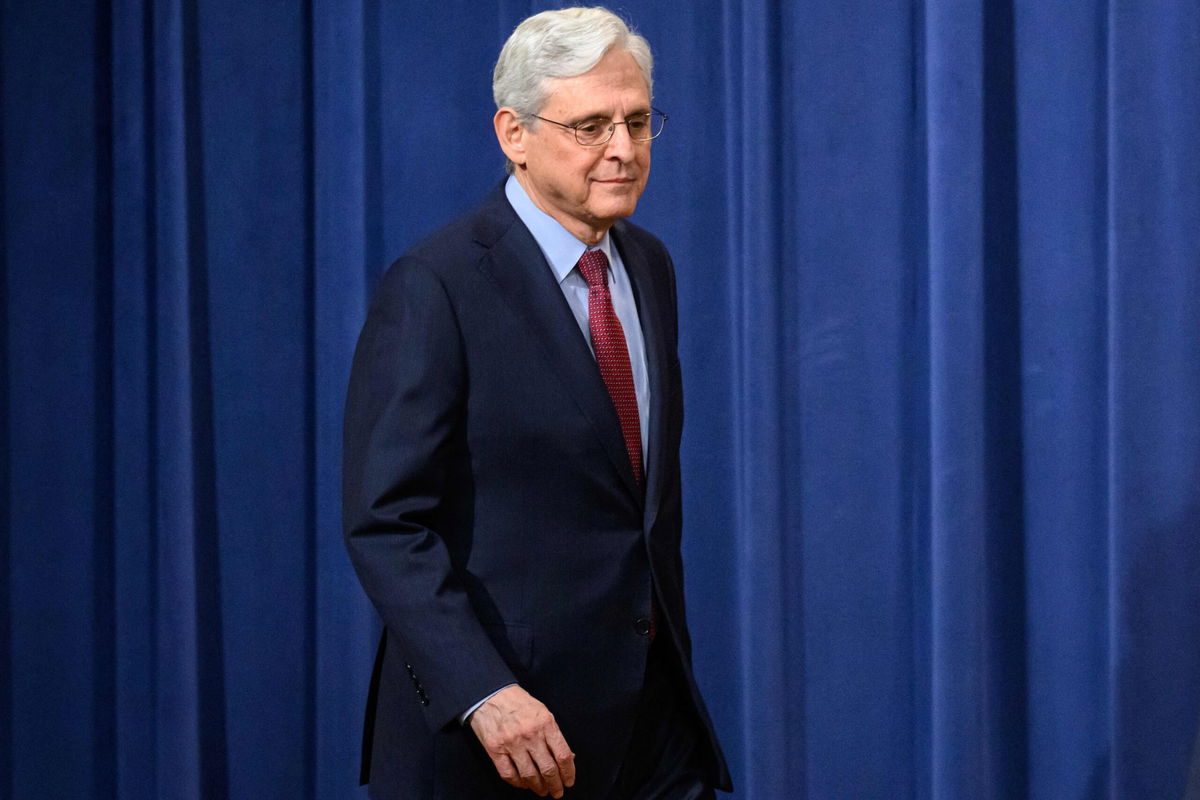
{"type": "Point", "coordinates": [512, 499]}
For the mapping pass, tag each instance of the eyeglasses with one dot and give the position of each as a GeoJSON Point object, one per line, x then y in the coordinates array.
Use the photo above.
{"type": "Point", "coordinates": [598, 130]}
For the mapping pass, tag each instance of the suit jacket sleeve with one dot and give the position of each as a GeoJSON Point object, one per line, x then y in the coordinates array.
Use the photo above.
{"type": "Point", "coordinates": [403, 411]}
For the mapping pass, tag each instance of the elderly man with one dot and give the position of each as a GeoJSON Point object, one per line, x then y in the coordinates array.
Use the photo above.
{"type": "Point", "coordinates": [512, 498]}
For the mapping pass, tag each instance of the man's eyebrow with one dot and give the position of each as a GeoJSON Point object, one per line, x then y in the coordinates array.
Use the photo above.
{"type": "Point", "coordinates": [589, 116]}
{"type": "Point", "coordinates": [607, 115]}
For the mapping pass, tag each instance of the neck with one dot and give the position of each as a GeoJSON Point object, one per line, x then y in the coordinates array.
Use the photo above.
{"type": "Point", "coordinates": [588, 233]}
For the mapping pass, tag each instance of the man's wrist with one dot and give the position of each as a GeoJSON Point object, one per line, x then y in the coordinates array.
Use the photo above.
{"type": "Point", "coordinates": [465, 717]}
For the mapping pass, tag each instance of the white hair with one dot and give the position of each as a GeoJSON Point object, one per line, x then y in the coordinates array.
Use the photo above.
{"type": "Point", "coordinates": [561, 44]}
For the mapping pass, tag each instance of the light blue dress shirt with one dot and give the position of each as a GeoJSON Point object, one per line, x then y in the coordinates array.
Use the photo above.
{"type": "Point", "coordinates": [562, 251]}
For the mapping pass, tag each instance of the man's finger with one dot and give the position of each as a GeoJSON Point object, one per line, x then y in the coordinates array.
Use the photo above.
{"type": "Point", "coordinates": [548, 768]}
{"type": "Point", "coordinates": [531, 778]}
{"type": "Point", "coordinates": [507, 770]}
{"type": "Point", "coordinates": [562, 754]}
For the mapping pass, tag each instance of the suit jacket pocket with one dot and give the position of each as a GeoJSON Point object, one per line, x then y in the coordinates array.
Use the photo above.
{"type": "Point", "coordinates": [514, 642]}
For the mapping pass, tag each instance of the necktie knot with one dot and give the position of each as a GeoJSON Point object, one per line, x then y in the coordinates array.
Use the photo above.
{"type": "Point", "coordinates": [593, 264]}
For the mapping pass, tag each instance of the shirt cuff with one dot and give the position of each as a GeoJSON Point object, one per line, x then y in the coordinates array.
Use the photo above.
{"type": "Point", "coordinates": [466, 715]}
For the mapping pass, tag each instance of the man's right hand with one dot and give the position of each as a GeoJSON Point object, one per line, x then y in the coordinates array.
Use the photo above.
{"type": "Point", "coordinates": [523, 740]}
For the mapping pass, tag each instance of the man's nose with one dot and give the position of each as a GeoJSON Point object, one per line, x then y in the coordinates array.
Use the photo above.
{"type": "Point", "coordinates": [621, 145]}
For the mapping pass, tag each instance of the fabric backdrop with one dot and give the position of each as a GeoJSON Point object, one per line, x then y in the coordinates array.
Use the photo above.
{"type": "Point", "coordinates": [939, 274]}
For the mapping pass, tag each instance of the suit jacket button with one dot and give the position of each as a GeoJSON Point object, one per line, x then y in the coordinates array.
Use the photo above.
{"type": "Point", "coordinates": [642, 626]}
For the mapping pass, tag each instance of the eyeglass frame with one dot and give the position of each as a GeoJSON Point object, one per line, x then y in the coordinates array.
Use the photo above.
{"type": "Point", "coordinates": [612, 127]}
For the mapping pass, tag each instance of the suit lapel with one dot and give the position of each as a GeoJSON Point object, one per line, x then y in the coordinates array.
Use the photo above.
{"type": "Point", "coordinates": [647, 294]}
{"type": "Point", "coordinates": [515, 263]}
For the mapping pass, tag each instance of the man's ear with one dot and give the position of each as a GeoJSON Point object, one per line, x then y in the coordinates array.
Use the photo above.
{"type": "Point", "coordinates": [511, 135]}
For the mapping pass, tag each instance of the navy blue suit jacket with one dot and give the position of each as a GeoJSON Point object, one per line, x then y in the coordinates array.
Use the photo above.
{"type": "Point", "coordinates": [491, 513]}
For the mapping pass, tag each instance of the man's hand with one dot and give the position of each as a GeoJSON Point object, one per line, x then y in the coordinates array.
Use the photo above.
{"type": "Point", "coordinates": [524, 742]}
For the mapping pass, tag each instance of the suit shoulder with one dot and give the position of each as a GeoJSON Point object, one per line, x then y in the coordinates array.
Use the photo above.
{"type": "Point", "coordinates": [640, 237]}
{"type": "Point", "coordinates": [455, 248]}
{"type": "Point", "coordinates": [452, 245]}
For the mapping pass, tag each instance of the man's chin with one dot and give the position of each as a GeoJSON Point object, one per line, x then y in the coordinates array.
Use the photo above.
{"type": "Point", "coordinates": [613, 211]}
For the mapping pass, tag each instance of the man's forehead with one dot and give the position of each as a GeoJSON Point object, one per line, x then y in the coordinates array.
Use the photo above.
{"type": "Point", "coordinates": [598, 101]}
{"type": "Point", "coordinates": [577, 112]}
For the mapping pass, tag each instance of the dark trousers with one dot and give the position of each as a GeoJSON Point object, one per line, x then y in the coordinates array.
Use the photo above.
{"type": "Point", "coordinates": [667, 756]}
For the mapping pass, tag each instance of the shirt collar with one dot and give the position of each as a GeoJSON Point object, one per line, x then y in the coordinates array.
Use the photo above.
{"type": "Point", "coordinates": [561, 249]}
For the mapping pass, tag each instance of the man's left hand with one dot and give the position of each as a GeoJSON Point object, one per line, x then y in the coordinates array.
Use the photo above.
{"type": "Point", "coordinates": [523, 740]}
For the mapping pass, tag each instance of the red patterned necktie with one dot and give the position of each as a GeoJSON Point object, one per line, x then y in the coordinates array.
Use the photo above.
{"type": "Point", "coordinates": [612, 355]}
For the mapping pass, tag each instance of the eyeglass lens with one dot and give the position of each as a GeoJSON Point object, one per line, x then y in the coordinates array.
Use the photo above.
{"type": "Point", "coordinates": [641, 128]}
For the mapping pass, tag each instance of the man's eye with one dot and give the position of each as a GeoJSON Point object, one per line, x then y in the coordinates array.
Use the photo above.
{"type": "Point", "coordinates": [637, 124]}
{"type": "Point", "coordinates": [591, 126]}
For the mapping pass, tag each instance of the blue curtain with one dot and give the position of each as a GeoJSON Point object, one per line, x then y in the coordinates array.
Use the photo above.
{"type": "Point", "coordinates": [939, 270]}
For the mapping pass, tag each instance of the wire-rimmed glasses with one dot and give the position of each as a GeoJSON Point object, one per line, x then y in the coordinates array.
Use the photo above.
{"type": "Point", "coordinates": [598, 130]}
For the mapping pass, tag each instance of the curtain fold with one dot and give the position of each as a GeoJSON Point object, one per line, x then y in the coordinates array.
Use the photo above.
{"type": "Point", "coordinates": [939, 290]}
{"type": "Point", "coordinates": [1153, 354]}
{"type": "Point", "coordinates": [343, 174]}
